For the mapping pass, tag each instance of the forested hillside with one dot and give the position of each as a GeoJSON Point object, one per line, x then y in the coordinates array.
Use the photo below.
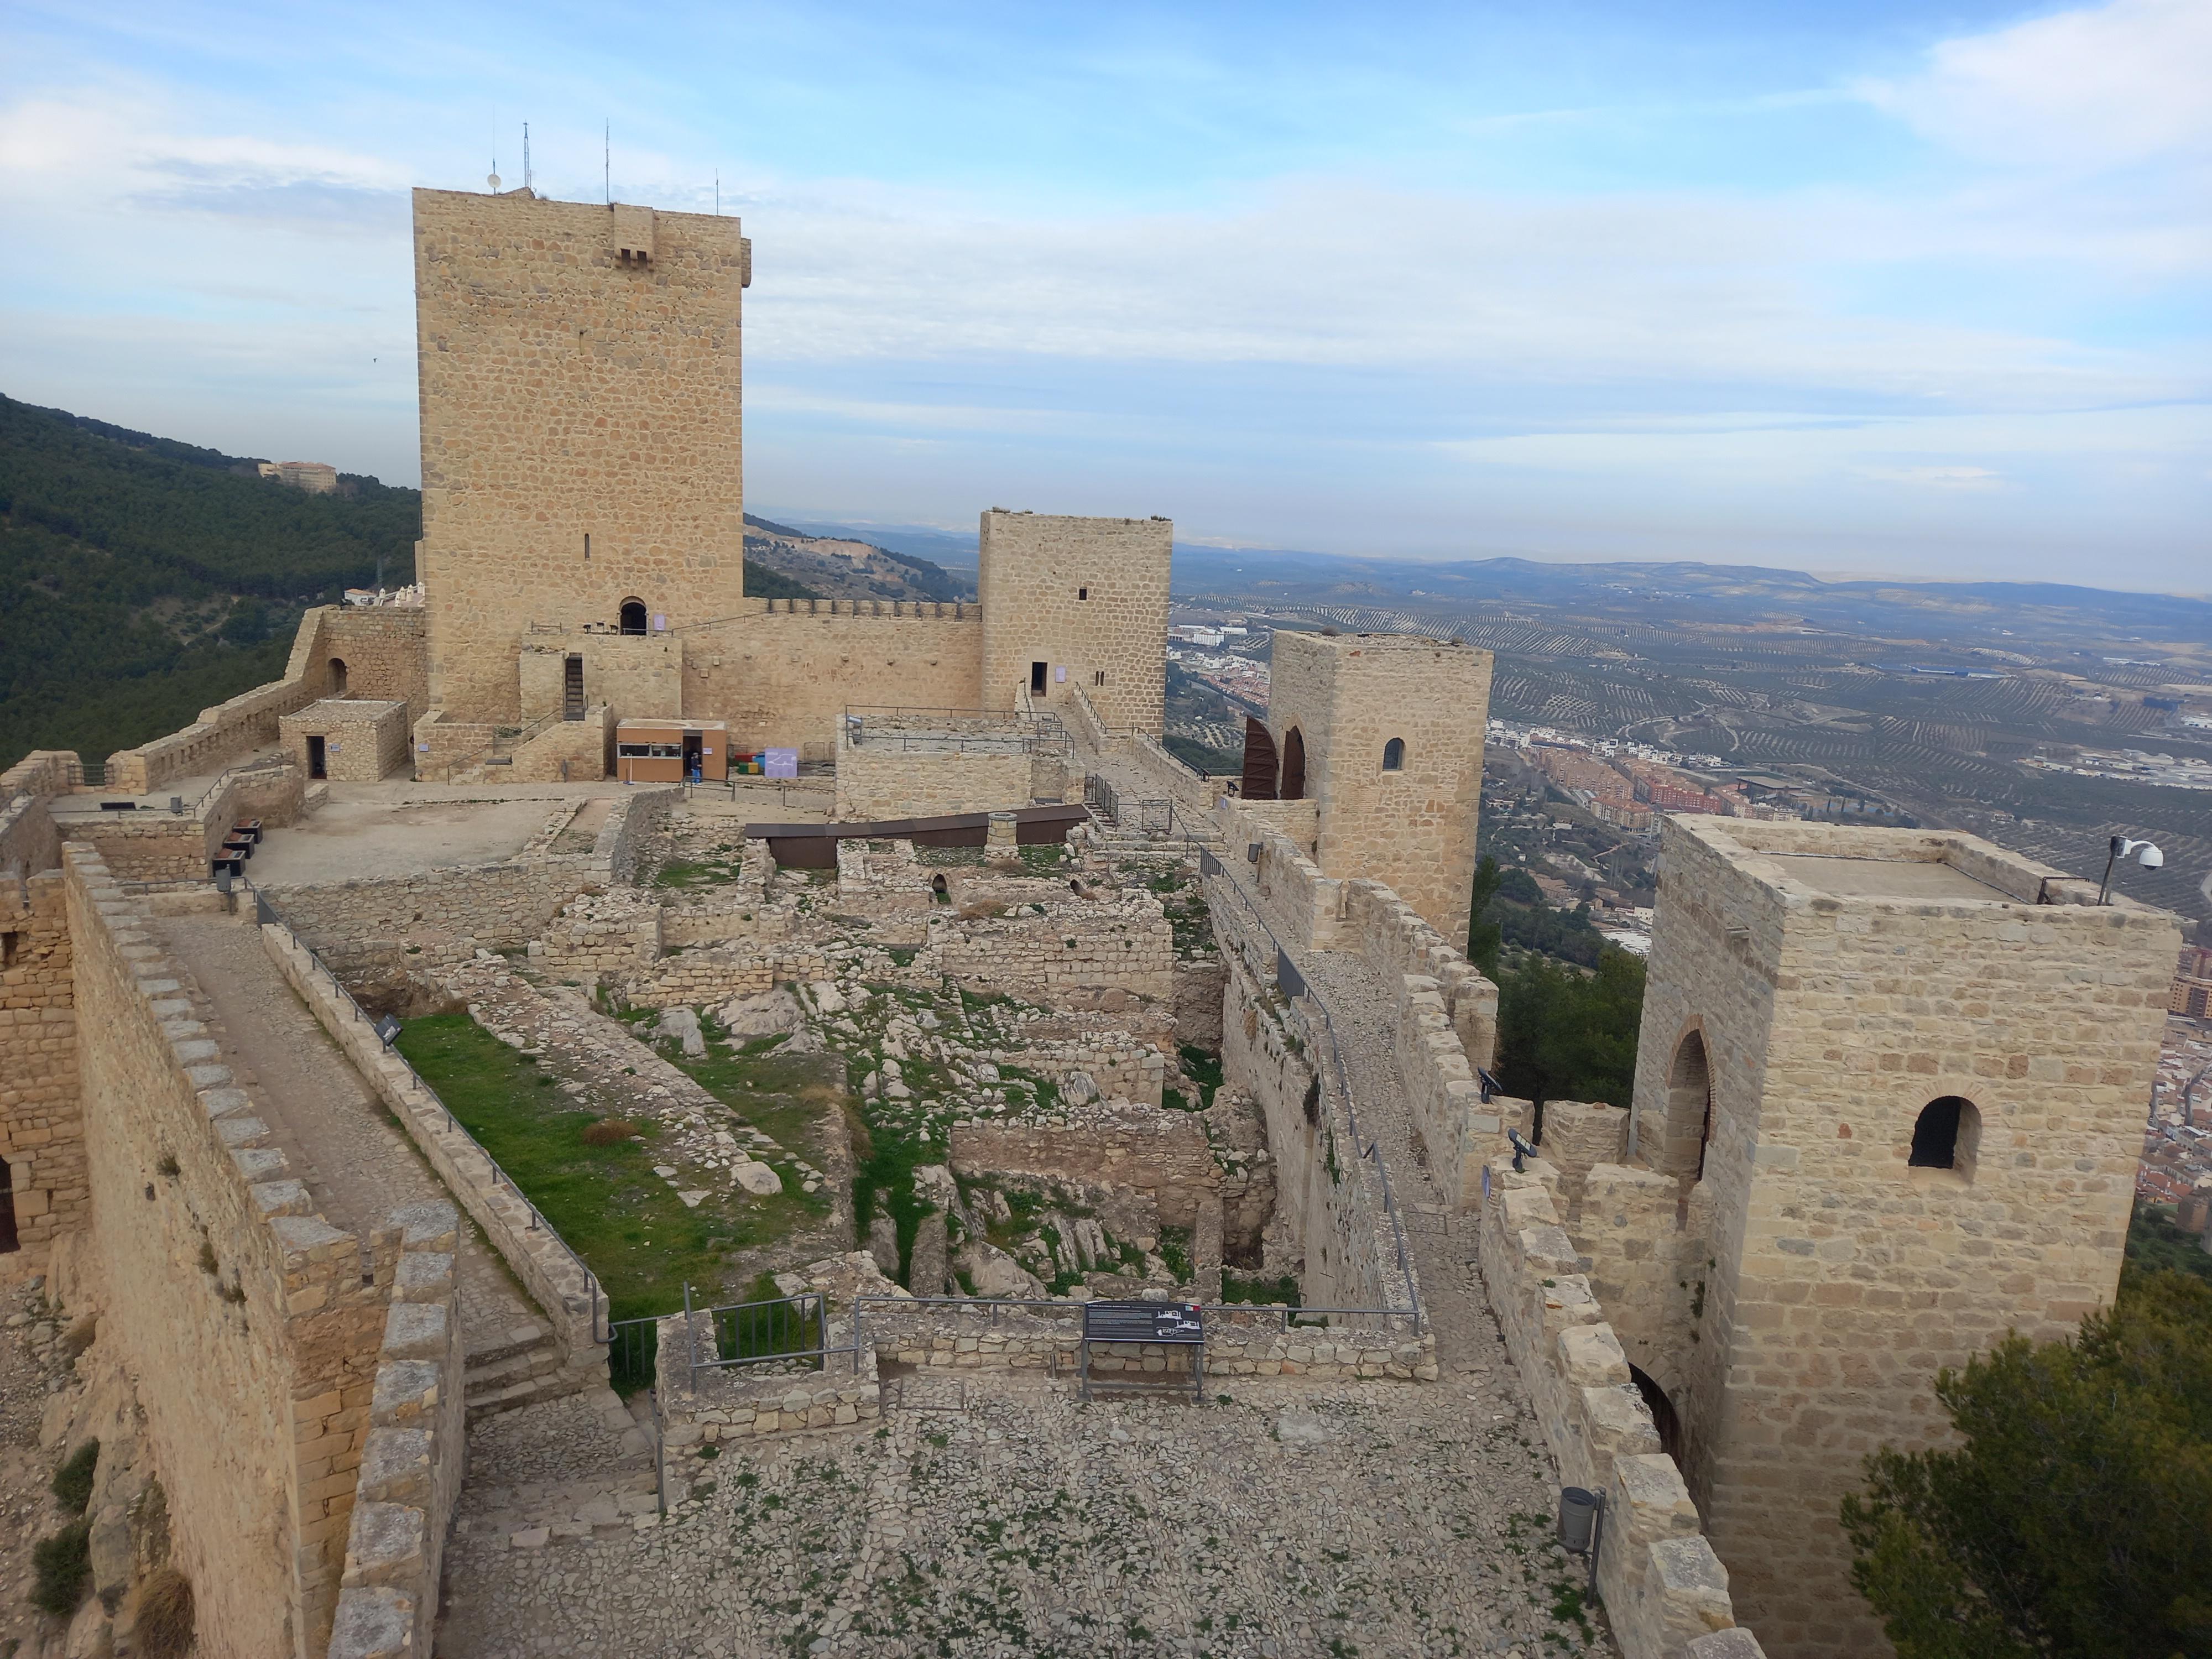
{"type": "Point", "coordinates": [143, 580]}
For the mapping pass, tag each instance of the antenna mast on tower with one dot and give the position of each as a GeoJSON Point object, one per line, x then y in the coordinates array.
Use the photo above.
{"type": "Point", "coordinates": [607, 161]}
{"type": "Point", "coordinates": [525, 155]}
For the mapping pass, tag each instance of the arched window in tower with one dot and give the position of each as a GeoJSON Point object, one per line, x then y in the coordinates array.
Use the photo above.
{"type": "Point", "coordinates": [338, 677]}
{"type": "Point", "coordinates": [1394, 755]}
{"type": "Point", "coordinates": [1689, 1112]}
{"type": "Point", "coordinates": [632, 616]}
{"type": "Point", "coordinates": [1293, 785]}
{"type": "Point", "coordinates": [1947, 1135]}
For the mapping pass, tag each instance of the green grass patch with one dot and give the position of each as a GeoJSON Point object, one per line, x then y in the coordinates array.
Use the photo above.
{"type": "Point", "coordinates": [1254, 1290]}
{"type": "Point", "coordinates": [1175, 1250]}
{"type": "Point", "coordinates": [1203, 1069]}
{"type": "Point", "coordinates": [693, 872]}
{"type": "Point", "coordinates": [623, 1220]}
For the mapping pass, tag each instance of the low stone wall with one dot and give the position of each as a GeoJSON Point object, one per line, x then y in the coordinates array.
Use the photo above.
{"type": "Point", "coordinates": [567, 751]}
{"type": "Point", "coordinates": [42, 772]}
{"type": "Point", "coordinates": [1079, 954]}
{"type": "Point", "coordinates": [566, 1293]}
{"type": "Point", "coordinates": [168, 847]}
{"type": "Point", "coordinates": [1240, 1341]}
{"type": "Point", "coordinates": [1199, 985]}
{"type": "Point", "coordinates": [260, 1320]}
{"type": "Point", "coordinates": [1395, 940]}
{"type": "Point", "coordinates": [601, 936]}
{"type": "Point", "coordinates": [1458, 1131]}
{"type": "Point", "coordinates": [413, 1457]}
{"type": "Point", "coordinates": [29, 840]}
{"type": "Point", "coordinates": [438, 917]}
{"type": "Point", "coordinates": [698, 977]}
{"type": "Point", "coordinates": [882, 777]}
{"type": "Point", "coordinates": [1302, 905]}
{"type": "Point", "coordinates": [1665, 1591]}
{"type": "Point", "coordinates": [745, 1402]}
{"type": "Point", "coordinates": [1161, 1156]}
{"type": "Point", "coordinates": [247, 722]}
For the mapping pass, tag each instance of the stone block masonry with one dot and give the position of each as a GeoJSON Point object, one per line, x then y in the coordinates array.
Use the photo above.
{"type": "Point", "coordinates": [1898, 1078]}
{"type": "Point", "coordinates": [261, 1320]}
{"type": "Point", "coordinates": [1665, 1591]}
{"type": "Point", "coordinates": [362, 740]}
{"type": "Point", "coordinates": [1083, 953]}
{"type": "Point", "coordinates": [572, 387]}
{"type": "Point", "coordinates": [1087, 598]}
{"type": "Point", "coordinates": [412, 1456]}
{"type": "Point", "coordinates": [1387, 731]}
{"type": "Point", "coordinates": [41, 1110]}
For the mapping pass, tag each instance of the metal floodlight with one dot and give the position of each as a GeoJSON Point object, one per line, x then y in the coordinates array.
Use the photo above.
{"type": "Point", "coordinates": [1521, 1149]}
{"type": "Point", "coordinates": [2144, 853]}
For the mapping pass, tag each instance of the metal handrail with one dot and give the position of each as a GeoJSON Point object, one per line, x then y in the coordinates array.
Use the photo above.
{"type": "Point", "coordinates": [1374, 1151]}
{"type": "Point", "coordinates": [265, 910]}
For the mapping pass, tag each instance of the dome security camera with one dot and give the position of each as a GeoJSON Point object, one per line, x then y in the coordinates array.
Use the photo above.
{"type": "Point", "coordinates": [2150, 858]}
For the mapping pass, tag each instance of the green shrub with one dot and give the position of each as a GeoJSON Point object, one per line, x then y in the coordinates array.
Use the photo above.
{"type": "Point", "coordinates": [72, 1482]}
{"type": "Point", "coordinates": [61, 1569]}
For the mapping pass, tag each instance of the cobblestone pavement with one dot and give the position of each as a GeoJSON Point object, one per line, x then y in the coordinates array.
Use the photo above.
{"type": "Point", "coordinates": [357, 1164]}
{"type": "Point", "coordinates": [1371, 1518]}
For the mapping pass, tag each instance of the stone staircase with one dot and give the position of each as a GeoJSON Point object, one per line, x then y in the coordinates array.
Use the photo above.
{"type": "Point", "coordinates": [528, 1367]}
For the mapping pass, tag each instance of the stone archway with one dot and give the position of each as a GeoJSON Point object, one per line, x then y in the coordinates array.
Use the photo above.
{"type": "Point", "coordinates": [1293, 785]}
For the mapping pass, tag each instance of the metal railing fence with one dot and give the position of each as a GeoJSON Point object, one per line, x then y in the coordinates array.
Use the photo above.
{"type": "Point", "coordinates": [265, 911]}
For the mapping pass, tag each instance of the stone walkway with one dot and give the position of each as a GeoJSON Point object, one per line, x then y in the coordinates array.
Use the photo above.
{"type": "Point", "coordinates": [357, 1165]}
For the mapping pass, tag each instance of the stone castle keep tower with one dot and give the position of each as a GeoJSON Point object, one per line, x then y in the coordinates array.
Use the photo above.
{"type": "Point", "coordinates": [1889, 1091]}
{"type": "Point", "coordinates": [581, 448]}
{"type": "Point", "coordinates": [583, 518]}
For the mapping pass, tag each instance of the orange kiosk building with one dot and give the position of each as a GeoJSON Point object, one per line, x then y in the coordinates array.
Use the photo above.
{"type": "Point", "coordinates": [671, 752]}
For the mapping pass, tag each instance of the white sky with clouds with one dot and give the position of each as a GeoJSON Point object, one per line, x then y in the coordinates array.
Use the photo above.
{"type": "Point", "coordinates": [1834, 287]}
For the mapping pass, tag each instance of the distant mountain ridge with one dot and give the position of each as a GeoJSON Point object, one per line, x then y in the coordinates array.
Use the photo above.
{"type": "Point", "coordinates": [1738, 591]}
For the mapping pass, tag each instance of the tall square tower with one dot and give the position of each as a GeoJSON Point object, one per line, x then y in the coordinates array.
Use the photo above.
{"type": "Point", "coordinates": [1074, 602]}
{"type": "Point", "coordinates": [581, 454]}
{"type": "Point", "coordinates": [1901, 1079]}
{"type": "Point", "coordinates": [1384, 733]}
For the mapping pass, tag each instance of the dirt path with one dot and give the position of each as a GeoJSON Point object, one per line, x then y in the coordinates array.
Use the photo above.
{"type": "Point", "coordinates": [357, 1165]}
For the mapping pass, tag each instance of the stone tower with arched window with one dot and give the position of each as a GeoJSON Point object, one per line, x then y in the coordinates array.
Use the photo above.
{"type": "Point", "coordinates": [1889, 1099]}
{"type": "Point", "coordinates": [1384, 733]}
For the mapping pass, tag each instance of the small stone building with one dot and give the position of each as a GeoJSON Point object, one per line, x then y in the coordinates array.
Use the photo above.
{"type": "Point", "coordinates": [348, 740]}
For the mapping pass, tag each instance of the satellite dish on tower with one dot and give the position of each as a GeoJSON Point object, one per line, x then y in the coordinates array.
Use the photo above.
{"type": "Point", "coordinates": [492, 178]}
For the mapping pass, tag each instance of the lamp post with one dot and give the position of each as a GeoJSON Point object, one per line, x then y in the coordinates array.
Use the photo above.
{"type": "Point", "coordinates": [2144, 853]}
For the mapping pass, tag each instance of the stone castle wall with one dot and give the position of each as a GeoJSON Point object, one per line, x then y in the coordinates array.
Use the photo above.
{"type": "Point", "coordinates": [1844, 1279]}
{"type": "Point", "coordinates": [212, 1265]}
{"type": "Point", "coordinates": [580, 378]}
{"type": "Point", "coordinates": [1348, 697]}
{"type": "Point", "coordinates": [1085, 596]}
{"type": "Point", "coordinates": [783, 673]}
{"type": "Point", "coordinates": [1163, 1155]}
{"type": "Point", "coordinates": [1665, 1591]}
{"type": "Point", "coordinates": [41, 1109]}
{"type": "Point", "coordinates": [169, 847]}
{"type": "Point", "coordinates": [412, 1456]}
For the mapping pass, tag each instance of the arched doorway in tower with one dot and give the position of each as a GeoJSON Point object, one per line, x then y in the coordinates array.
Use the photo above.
{"type": "Point", "coordinates": [1293, 786]}
{"type": "Point", "coordinates": [1663, 1412]}
{"type": "Point", "coordinates": [632, 616]}
{"type": "Point", "coordinates": [1689, 1130]}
